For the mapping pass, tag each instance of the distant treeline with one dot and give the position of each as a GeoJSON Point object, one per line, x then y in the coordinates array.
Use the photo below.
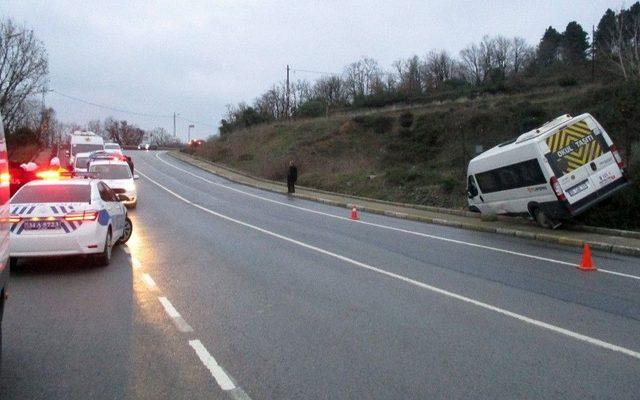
{"type": "Point", "coordinates": [494, 65]}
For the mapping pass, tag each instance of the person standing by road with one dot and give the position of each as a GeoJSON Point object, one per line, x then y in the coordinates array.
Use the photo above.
{"type": "Point", "coordinates": [292, 177]}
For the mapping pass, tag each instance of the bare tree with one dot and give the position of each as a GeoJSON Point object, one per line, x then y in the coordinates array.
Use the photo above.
{"type": "Point", "coordinates": [162, 138]}
{"type": "Point", "coordinates": [437, 68]}
{"type": "Point", "coordinates": [520, 55]}
{"type": "Point", "coordinates": [23, 71]}
{"type": "Point", "coordinates": [471, 63]}
{"type": "Point", "coordinates": [501, 47]}
{"type": "Point", "coordinates": [409, 75]}
{"type": "Point", "coordinates": [123, 133]}
{"type": "Point", "coordinates": [331, 90]}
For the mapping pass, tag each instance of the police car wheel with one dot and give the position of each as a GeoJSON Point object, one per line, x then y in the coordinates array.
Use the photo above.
{"type": "Point", "coordinates": [103, 259]}
{"type": "Point", "coordinates": [126, 232]}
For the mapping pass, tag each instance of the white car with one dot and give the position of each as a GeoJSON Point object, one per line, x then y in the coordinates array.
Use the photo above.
{"type": "Point", "coordinates": [113, 148]}
{"type": "Point", "coordinates": [67, 217]}
{"type": "Point", "coordinates": [81, 162]}
{"type": "Point", "coordinates": [116, 173]}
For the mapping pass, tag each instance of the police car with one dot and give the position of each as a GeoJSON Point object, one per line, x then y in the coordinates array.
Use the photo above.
{"type": "Point", "coordinates": [61, 217]}
{"type": "Point", "coordinates": [113, 170]}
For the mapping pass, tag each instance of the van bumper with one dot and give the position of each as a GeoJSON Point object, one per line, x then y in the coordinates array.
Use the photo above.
{"type": "Point", "coordinates": [564, 210]}
{"type": "Point", "coordinates": [583, 205]}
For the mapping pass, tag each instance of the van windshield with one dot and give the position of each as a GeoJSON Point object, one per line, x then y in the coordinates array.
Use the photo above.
{"type": "Point", "coordinates": [85, 148]}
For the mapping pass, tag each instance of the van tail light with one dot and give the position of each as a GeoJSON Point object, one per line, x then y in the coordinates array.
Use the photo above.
{"type": "Point", "coordinates": [616, 156]}
{"type": "Point", "coordinates": [14, 219]}
{"type": "Point", "coordinates": [557, 189]}
{"type": "Point", "coordinates": [88, 215]}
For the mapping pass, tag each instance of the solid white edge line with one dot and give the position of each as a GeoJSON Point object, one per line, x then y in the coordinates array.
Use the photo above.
{"type": "Point", "coordinates": [486, 306]}
{"type": "Point", "coordinates": [461, 242]}
{"type": "Point", "coordinates": [224, 381]}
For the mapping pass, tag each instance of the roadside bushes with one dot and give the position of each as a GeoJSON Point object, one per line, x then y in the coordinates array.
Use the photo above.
{"type": "Point", "coordinates": [379, 123]}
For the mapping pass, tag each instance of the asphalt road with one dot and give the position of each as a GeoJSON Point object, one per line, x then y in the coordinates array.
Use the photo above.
{"type": "Point", "coordinates": [230, 292]}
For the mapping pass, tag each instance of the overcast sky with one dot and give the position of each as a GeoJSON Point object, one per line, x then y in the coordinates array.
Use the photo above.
{"type": "Point", "coordinates": [194, 57]}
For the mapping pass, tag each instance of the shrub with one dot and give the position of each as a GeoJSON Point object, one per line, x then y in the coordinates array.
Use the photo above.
{"type": "Point", "coordinates": [567, 81]}
{"type": "Point", "coordinates": [449, 184]}
{"type": "Point", "coordinates": [377, 122]}
{"type": "Point", "coordinates": [310, 109]}
{"type": "Point", "coordinates": [406, 119]}
{"type": "Point", "coordinates": [245, 157]}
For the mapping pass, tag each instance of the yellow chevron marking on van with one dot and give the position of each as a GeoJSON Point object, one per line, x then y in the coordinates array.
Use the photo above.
{"type": "Point", "coordinates": [580, 156]}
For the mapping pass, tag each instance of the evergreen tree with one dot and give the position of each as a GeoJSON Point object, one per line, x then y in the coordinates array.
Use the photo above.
{"type": "Point", "coordinates": [574, 44]}
{"type": "Point", "coordinates": [605, 32]}
{"type": "Point", "coordinates": [549, 48]}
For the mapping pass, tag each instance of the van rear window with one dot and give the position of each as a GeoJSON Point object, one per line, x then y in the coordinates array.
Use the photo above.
{"type": "Point", "coordinates": [523, 174]}
{"type": "Point", "coordinates": [53, 194]}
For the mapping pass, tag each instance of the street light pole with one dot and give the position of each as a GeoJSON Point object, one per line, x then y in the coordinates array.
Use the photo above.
{"type": "Point", "coordinates": [189, 133]}
{"type": "Point", "coordinates": [174, 123]}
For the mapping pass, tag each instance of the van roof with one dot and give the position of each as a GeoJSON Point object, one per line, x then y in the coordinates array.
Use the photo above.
{"type": "Point", "coordinates": [538, 134]}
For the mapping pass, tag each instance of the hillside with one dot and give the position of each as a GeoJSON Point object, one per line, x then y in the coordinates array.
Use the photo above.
{"type": "Point", "coordinates": [419, 154]}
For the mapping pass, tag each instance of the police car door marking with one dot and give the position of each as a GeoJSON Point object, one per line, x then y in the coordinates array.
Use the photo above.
{"type": "Point", "coordinates": [64, 210]}
{"type": "Point", "coordinates": [31, 210]}
{"type": "Point", "coordinates": [55, 210]}
{"type": "Point", "coordinates": [23, 209]}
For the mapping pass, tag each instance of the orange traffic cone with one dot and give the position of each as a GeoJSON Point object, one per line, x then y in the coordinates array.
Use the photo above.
{"type": "Point", "coordinates": [587, 263]}
{"type": "Point", "coordinates": [354, 214]}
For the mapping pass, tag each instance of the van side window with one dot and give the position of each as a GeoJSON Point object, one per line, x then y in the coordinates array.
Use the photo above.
{"type": "Point", "coordinates": [471, 187]}
{"type": "Point", "coordinates": [523, 174]}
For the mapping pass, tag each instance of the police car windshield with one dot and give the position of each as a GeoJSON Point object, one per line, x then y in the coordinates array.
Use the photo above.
{"type": "Point", "coordinates": [86, 148]}
{"type": "Point", "coordinates": [53, 194]}
{"type": "Point", "coordinates": [111, 171]}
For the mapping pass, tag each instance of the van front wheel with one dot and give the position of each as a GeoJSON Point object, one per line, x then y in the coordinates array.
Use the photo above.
{"type": "Point", "coordinates": [544, 220]}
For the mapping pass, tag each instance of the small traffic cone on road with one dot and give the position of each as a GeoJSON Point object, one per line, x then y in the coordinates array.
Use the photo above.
{"type": "Point", "coordinates": [587, 262]}
{"type": "Point", "coordinates": [354, 214]}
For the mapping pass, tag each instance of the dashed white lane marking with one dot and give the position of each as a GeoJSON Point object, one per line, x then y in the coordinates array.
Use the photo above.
{"type": "Point", "coordinates": [175, 316]}
{"type": "Point", "coordinates": [224, 381]}
{"type": "Point", "coordinates": [486, 306]}
{"type": "Point", "coordinates": [425, 235]}
{"type": "Point", "coordinates": [148, 280]}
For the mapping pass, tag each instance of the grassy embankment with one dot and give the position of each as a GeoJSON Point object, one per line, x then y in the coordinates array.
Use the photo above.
{"type": "Point", "coordinates": [419, 155]}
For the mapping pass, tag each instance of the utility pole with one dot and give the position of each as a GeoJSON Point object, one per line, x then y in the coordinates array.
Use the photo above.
{"type": "Point", "coordinates": [174, 124]}
{"type": "Point", "coordinates": [288, 92]}
{"type": "Point", "coordinates": [189, 133]}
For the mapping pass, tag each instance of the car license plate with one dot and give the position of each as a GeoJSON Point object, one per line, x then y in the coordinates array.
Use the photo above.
{"type": "Point", "coordinates": [577, 189]}
{"type": "Point", "coordinates": [41, 225]}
